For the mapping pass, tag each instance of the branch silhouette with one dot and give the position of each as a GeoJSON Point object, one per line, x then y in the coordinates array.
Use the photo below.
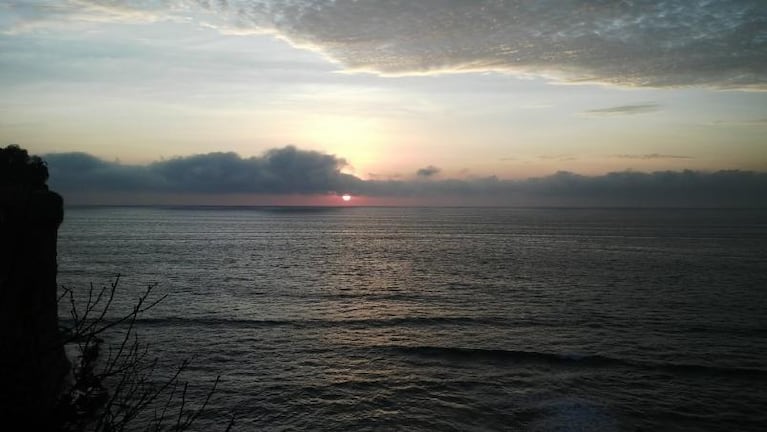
{"type": "Point", "coordinates": [119, 391]}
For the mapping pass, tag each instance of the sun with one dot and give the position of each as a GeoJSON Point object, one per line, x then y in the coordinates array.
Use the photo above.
{"type": "Point", "coordinates": [346, 197]}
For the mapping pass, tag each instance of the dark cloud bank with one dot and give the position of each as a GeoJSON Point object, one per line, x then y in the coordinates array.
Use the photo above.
{"type": "Point", "coordinates": [291, 171]}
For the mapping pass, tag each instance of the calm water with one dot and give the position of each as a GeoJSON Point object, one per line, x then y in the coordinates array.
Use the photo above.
{"type": "Point", "coordinates": [449, 319]}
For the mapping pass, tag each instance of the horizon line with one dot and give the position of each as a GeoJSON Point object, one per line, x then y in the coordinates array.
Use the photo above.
{"type": "Point", "coordinates": [296, 206]}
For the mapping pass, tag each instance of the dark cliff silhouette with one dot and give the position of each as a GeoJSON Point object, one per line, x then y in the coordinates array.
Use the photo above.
{"type": "Point", "coordinates": [32, 361]}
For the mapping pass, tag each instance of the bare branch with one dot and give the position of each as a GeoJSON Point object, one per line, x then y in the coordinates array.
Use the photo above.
{"type": "Point", "coordinates": [126, 370]}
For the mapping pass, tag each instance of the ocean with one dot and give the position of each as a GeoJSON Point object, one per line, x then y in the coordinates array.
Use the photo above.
{"type": "Point", "coordinates": [446, 319]}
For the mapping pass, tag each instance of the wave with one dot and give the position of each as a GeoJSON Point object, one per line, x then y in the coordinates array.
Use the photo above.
{"type": "Point", "coordinates": [729, 330]}
{"type": "Point", "coordinates": [373, 322]}
{"type": "Point", "coordinates": [502, 355]}
{"type": "Point", "coordinates": [425, 322]}
{"type": "Point", "coordinates": [313, 323]}
{"type": "Point", "coordinates": [455, 353]}
{"type": "Point", "coordinates": [566, 360]}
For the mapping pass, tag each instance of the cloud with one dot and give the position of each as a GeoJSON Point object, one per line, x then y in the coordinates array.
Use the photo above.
{"type": "Point", "coordinates": [81, 171]}
{"type": "Point", "coordinates": [756, 122]}
{"type": "Point", "coordinates": [429, 171]}
{"type": "Point", "coordinates": [558, 157]}
{"type": "Point", "coordinates": [30, 16]}
{"type": "Point", "coordinates": [290, 170]}
{"type": "Point", "coordinates": [651, 156]}
{"type": "Point", "coordinates": [286, 170]}
{"type": "Point", "coordinates": [713, 43]}
{"type": "Point", "coordinates": [719, 43]}
{"type": "Point", "coordinates": [623, 110]}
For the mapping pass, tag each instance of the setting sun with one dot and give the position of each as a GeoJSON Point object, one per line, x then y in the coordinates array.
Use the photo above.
{"type": "Point", "coordinates": [530, 179]}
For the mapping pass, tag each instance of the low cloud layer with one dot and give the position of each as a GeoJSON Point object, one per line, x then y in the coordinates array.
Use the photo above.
{"type": "Point", "coordinates": [286, 170]}
{"type": "Point", "coordinates": [290, 171]}
{"type": "Point", "coordinates": [714, 43]}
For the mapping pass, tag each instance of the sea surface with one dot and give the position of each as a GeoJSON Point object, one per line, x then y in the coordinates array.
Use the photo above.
{"type": "Point", "coordinates": [446, 319]}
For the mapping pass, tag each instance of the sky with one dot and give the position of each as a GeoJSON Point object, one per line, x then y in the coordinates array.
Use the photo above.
{"type": "Point", "coordinates": [429, 102]}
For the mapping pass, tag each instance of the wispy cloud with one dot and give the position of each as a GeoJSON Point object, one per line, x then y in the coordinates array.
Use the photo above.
{"type": "Point", "coordinates": [622, 110]}
{"type": "Point", "coordinates": [557, 157]}
{"type": "Point", "coordinates": [715, 43]}
{"type": "Point", "coordinates": [29, 16]}
{"type": "Point", "coordinates": [755, 122]}
{"type": "Point", "coordinates": [651, 156]}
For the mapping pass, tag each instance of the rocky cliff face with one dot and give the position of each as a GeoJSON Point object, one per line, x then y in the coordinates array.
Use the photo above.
{"type": "Point", "coordinates": [32, 359]}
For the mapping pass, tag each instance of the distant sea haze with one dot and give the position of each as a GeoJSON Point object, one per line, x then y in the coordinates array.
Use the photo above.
{"type": "Point", "coordinates": [447, 319]}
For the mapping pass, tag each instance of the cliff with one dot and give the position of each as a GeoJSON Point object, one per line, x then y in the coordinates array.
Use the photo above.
{"type": "Point", "coordinates": [32, 359]}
